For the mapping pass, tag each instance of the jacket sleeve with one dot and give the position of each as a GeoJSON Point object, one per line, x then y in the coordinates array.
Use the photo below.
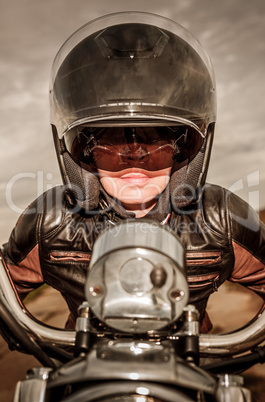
{"type": "Point", "coordinates": [248, 240]}
{"type": "Point", "coordinates": [21, 252]}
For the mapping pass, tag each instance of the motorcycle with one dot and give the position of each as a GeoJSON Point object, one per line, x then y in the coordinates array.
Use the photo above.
{"type": "Point", "coordinates": [136, 337]}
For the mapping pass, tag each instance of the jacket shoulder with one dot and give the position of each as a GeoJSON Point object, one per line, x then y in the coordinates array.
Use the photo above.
{"type": "Point", "coordinates": [240, 220]}
{"type": "Point", "coordinates": [49, 207]}
{"type": "Point", "coordinates": [246, 228]}
{"type": "Point", "coordinates": [213, 203]}
{"type": "Point", "coordinates": [216, 198]}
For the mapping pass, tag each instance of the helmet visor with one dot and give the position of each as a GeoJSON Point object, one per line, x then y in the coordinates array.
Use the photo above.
{"type": "Point", "coordinates": [117, 148]}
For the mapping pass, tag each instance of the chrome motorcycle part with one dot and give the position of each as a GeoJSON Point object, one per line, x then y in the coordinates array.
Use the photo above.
{"type": "Point", "coordinates": [83, 319]}
{"type": "Point", "coordinates": [136, 282]}
{"type": "Point", "coordinates": [211, 345]}
{"type": "Point", "coordinates": [231, 388]}
{"type": "Point", "coordinates": [36, 329]}
{"type": "Point", "coordinates": [127, 391]}
{"type": "Point", "coordinates": [191, 324]}
{"type": "Point", "coordinates": [186, 341]}
{"type": "Point", "coordinates": [84, 336]}
{"type": "Point", "coordinates": [33, 388]}
{"type": "Point", "coordinates": [133, 362]}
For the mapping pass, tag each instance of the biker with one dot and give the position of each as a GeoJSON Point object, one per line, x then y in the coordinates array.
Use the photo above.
{"type": "Point", "coordinates": [133, 111]}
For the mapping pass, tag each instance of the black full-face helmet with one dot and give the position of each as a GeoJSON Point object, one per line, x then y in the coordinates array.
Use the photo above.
{"type": "Point", "coordinates": [132, 79]}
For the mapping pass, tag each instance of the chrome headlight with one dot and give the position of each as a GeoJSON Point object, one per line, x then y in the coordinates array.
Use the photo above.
{"type": "Point", "coordinates": [136, 281]}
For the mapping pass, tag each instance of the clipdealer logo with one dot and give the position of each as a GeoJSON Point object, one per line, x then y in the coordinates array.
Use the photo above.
{"type": "Point", "coordinates": [40, 182]}
{"type": "Point", "coordinates": [251, 183]}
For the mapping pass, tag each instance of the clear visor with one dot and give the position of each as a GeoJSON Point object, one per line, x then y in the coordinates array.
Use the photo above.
{"type": "Point", "coordinates": [117, 148]}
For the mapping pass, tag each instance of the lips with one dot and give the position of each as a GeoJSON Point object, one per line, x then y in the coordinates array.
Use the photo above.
{"type": "Point", "coordinates": [135, 178]}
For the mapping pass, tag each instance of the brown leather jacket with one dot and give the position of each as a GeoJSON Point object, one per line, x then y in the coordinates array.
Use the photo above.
{"type": "Point", "coordinates": [224, 240]}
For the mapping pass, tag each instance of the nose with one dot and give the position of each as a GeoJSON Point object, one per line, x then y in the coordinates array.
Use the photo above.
{"type": "Point", "coordinates": [135, 152]}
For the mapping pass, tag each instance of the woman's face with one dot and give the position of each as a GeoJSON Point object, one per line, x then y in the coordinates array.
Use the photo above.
{"type": "Point", "coordinates": [134, 164]}
{"type": "Point", "coordinates": [136, 188]}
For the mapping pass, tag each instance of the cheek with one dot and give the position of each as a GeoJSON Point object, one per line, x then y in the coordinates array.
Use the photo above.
{"type": "Point", "coordinates": [156, 186]}
{"type": "Point", "coordinates": [111, 185]}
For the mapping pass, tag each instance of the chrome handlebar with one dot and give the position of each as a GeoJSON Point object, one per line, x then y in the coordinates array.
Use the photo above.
{"type": "Point", "coordinates": [210, 345]}
{"type": "Point", "coordinates": [36, 329]}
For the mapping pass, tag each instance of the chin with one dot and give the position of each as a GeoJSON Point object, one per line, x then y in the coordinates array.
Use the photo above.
{"type": "Point", "coordinates": [137, 197]}
{"type": "Point", "coordinates": [130, 194]}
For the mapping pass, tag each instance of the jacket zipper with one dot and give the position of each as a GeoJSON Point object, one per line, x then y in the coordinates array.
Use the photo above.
{"type": "Point", "coordinates": [203, 258]}
{"type": "Point", "coordinates": [203, 281]}
{"type": "Point", "coordinates": [70, 256]}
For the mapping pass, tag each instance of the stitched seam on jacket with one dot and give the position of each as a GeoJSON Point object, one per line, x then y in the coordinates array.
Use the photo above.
{"type": "Point", "coordinates": [39, 227]}
{"type": "Point", "coordinates": [248, 250]}
{"type": "Point", "coordinates": [229, 231]}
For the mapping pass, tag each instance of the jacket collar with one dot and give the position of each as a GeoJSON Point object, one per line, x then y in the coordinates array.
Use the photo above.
{"type": "Point", "coordinates": [160, 212]}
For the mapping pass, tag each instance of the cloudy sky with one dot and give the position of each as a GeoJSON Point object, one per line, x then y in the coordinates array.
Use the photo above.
{"type": "Point", "coordinates": [31, 32]}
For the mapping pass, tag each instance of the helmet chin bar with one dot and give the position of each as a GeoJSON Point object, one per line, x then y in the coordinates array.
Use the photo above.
{"type": "Point", "coordinates": [137, 282]}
